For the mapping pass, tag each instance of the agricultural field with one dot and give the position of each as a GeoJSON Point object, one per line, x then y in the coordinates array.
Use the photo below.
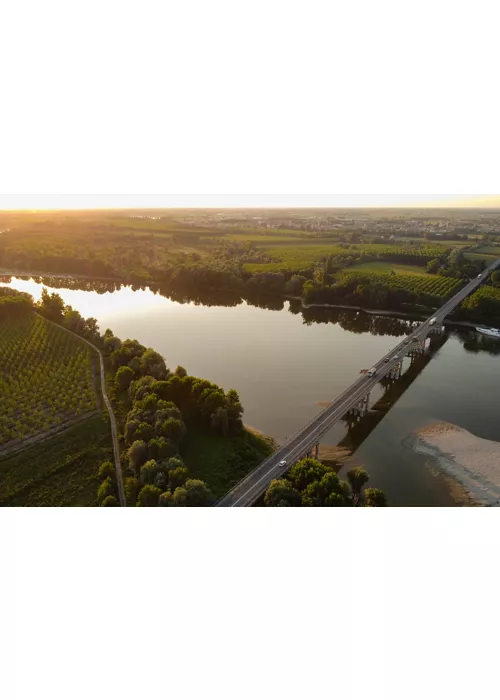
{"type": "Point", "coordinates": [59, 471]}
{"type": "Point", "coordinates": [441, 287]}
{"type": "Point", "coordinates": [385, 268]}
{"type": "Point", "coordinates": [301, 258]}
{"type": "Point", "coordinates": [46, 380]}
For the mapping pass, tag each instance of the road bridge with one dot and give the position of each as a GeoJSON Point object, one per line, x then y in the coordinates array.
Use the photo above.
{"type": "Point", "coordinates": [355, 399]}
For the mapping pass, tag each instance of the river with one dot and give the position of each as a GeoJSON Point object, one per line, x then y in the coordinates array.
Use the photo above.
{"type": "Point", "coordinates": [287, 363]}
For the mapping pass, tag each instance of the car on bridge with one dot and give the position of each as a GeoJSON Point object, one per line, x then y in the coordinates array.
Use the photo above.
{"type": "Point", "coordinates": [283, 463]}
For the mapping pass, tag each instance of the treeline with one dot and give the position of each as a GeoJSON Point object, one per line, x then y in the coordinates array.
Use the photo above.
{"type": "Point", "coordinates": [14, 304]}
{"type": "Point", "coordinates": [370, 291]}
{"type": "Point", "coordinates": [162, 406]}
{"type": "Point", "coordinates": [311, 484]}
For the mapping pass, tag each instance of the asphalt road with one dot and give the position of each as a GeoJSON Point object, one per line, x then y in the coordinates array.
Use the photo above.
{"type": "Point", "coordinates": [247, 491]}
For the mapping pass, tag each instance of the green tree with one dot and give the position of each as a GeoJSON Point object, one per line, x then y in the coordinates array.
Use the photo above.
{"type": "Point", "coordinates": [148, 496]}
{"type": "Point", "coordinates": [173, 429]}
{"type": "Point", "coordinates": [357, 478]}
{"type": "Point", "coordinates": [177, 477]}
{"type": "Point", "coordinates": [198, 494]}
{"type": "Point", "coordinates": [149, 470]}
{"type": "Point", "coordinates": [105, 489]}
{"type": "Point", "coordinates": [153, 364]}
{"type": "Point", "coordinates": [110, 502]}
{"type": "Point", "coordinates": [166, 500]}
{"type": "Point", "coordinates": [138, 454]}
{"type": "Point", "coordinates": [375, 498]}
{"type": "Point", "coordinates": [124, 377]}
{"type": "Point", "coordinates": [495, 278]}
{"type": "Point", "coordinates": [306, 472]}
{"type": "Point", "coordinates": [281, 491]}
{"type": "Point", "coordinates": [180, 372]}
{"type": "Point", "coordinates": [131, 490]}
{"type": "Point", "coordinates": [106, 470]}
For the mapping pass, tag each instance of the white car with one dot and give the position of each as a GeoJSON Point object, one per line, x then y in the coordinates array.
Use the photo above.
{"type": "Point", "coordinates": [283, 463]}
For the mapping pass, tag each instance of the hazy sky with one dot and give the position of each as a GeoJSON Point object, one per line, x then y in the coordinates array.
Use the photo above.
{"type": "Point", "coordinates": [69, 201]}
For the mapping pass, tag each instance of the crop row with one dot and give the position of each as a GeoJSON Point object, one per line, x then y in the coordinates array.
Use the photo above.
{"type": "Point", "coordinates": [45, 378]}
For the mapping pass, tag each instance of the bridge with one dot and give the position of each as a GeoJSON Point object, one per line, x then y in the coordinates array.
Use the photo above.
{"type": "Point", "coordinates": [355, 399]}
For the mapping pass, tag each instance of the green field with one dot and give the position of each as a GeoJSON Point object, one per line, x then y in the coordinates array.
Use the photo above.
{"type": "Point", "coordinates": [301, 258]}
{"type": "Point", "coordinates": [222, 461]}
{"type": "Point", "coordinates": [434, 285]}
{"type": "Point", "coordinates": [490, 250]}
{"type": "Point", "coordinates": [60, 471]}
{"type": "Point", "coordinates": [46, 379]}
{"type": "Point", "coordinates": [482, 256]}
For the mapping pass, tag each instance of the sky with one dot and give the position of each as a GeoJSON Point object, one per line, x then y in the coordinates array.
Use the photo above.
{"type": "Point", "coordinates": [110, 201]}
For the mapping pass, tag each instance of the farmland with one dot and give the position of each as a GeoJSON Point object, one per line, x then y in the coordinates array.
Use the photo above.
{"type": "Point", "coordinates": [382, 268]}
{"type": "Point", "coordinates": [59, 471]}
{"type": "Point", "coordinates": [301, 258]}
{"type": "Point", "coordinates": [46, 379]}
{"type": "Point", "coordinates": [440, 287]}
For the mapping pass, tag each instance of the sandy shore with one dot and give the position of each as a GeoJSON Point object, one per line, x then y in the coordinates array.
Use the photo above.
{"type": "Point", "coordinates": [471, 460]}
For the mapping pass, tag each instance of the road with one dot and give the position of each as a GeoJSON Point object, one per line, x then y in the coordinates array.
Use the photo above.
{"type": "Point", "coordinates": [253, 486]}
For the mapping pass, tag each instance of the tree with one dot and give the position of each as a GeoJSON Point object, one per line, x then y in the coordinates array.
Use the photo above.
{"type": "Point", "coordinates": [281, 491]}
{"type": "Point", "coordinates": [375, 498]}
{"type": "Point", "coordinates": [106, 470]}
{"type": "Point", "coordinates": [180, 372]}
{"type": "Point", "coordinates": [329, 491]}
{"type": "Point", "coordinates": [166, 500]}
{"type": "Point", "coordinates": [153, 364]}
{"type": "Point", "coordinates": [149, 496]}
{"type": "Point", "coordinates": [149, 470]}
{"type": "Point", "coordinates": [110, 501]}
{"type": "Point", "coordinates": [357, 478]}
{"type": "Point", "coordinates": [105, 489]}
{"type": "Point", "coordinates": [495, 278]}
{"type": "Point", "coordinates": [306, 472]}
{"type": "Point", "coordinates": [179, 498]}
{"type": "Point", "coordinates": [177, 477]}
{"type": "Point", "coordinates": [198, 494]}
{"type": "Point", "coordinates": [131, 490]}
{"type": "Point", "coordinates": [124, 377]}
{"type": "Point", "coordinates": [138, 454]}
{"type": "Point", "coordinates": [144, 432]}
{"type": "Point", "coordinates": [174, 430]}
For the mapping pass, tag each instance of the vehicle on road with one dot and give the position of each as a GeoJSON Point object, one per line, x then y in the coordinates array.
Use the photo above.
{"type": "Point", "coordinates": [386, 359]}
{"type": "Point", "coordinates": [396, 357]}
{"type": "Point", "coordinates": [283, 463]}
{"type": "Point", "coordinates": [479, 276]}
{"type": "Point", "coordinates": [415, 340]}
{"type": "Point", "coordinates": [372, 372]}
{"type": "Point", "coordinates": [407, 342]}
{"type": "Point", "coordinates": [432, 322]}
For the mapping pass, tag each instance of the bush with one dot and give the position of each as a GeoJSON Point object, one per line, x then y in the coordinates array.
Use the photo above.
{"type": "Point", "coordinates": [109, 501]}
{"type": "Point", "coordinates": [107, 470]}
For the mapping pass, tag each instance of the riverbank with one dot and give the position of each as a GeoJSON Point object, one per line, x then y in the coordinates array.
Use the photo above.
{"type": "Point", "coordinates": [472, 461]}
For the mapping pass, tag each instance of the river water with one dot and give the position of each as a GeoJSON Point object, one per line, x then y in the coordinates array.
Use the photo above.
{"type": "Point", "coordinates": [287, 363]}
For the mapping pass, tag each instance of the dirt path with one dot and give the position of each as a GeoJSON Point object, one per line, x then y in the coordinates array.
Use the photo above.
{"type": "Point", "coordinates": [114, 432]}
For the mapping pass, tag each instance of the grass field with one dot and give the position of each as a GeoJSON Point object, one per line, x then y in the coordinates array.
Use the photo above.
{"type": "Point", "coordinates": [46, 379]}
{"type": "Point", "coordinates": [60, 471]}
{"type": "Point", "coordinates": [220, 461]}
{"type": "Point", "coordinates": [490, 250]}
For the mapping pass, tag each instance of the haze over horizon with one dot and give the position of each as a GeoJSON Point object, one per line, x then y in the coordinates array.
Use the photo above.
{"type": "Point", "coordinates": [17, 202]}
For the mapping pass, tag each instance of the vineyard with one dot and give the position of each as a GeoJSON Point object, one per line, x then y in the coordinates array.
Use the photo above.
{"type": "Point", "coordinates": [45, 379]}
{"type": "Point", "coordinates": [302, 258]}
{"type": "Point", "coordinates": [441, 287]}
